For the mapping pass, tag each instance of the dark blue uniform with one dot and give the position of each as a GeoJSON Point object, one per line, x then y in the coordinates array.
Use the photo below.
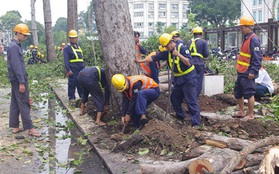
{"type": "Point", "coordinates": [17, 75]}
{"type": "Point", "coordinates": [180, 42]}
{"type": "Point", "coordinates": [75, 67]}
{"type": "Point", "coordinates": [184, 87]}
{"type": "Point", "coordinates": [245, 87]}
{"type": "Point", "coordinates": [198, 61]}
{"type": "Point", "coordinates": [92, 81]}
{"type": "Point", "coordinates": [140, 100]}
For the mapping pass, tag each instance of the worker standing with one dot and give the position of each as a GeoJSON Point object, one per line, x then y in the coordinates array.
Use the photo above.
{"type": "Point", "coordinates": [139, 48]}
{"type": "Point", "coordinates": [176, 38]}
{"type": "Point", "coordinates": [138, 92]}
{"type": "Point", "coordinates": [20, 101]}
{"type": "Point", "coordinates": [248, 65]}
{"type": "Point", "coordinates": [184, 77]}
{"type": "Point", "coordinates": [74, 63]}
{"type": "Point", "coordinates": [199, 52]}
{"type": "Point", "coordinates": [92, 80]}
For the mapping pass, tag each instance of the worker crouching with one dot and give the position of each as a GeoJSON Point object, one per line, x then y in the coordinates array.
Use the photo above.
{"type": "Point", "coordinates": [138, 92]}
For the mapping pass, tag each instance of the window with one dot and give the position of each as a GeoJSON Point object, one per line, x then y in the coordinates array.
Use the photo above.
{"type": "Point", "coordinates": [254, 14]}
{"type": "Point", "coordinates": [138, 6]}
{"type": "Point", "coordinates": [185, 7]}
{"type": "Point", "coordinates": [184, 15]}
{"type": "Point", "coordinates": [162, 6]}
{"type": "Point", "coordinates": [162, 14]}
{"type": "Point", "coordinates": [150, 33]}
{"type": "Point", "coordinates": [138, 25]}
{"type": "Point", "coordinates": [260, 16]}
{"type": "Point", "coordinates": [174, 6]}
{"type": "Point", "coordinates": [150, 14]}
{"type": "Point", "coordinates": [260, 2]}
{"type": "Point", "coordinates": [174, 14]}
{"type": "Point", "coordinates": [150, 24]}
{"type": "Point", "coordinates": [150, 6]}
{"type": "Point", "coordinates": [254, 2]}
{"type": "Point", "coordinates": [137, 14]}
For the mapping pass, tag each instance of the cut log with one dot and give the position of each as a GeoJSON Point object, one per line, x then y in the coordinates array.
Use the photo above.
{"type": "Point", "coordinates": [164, 78]}
{"type": "Point", "coordinates": [196, 152]}
{"type": "Point", "coordinates": [162, 73]}
{"type": "Point", "coordinates": [199, 166]}
{"type": "Point", "coordinates": [233, 143]}
{"type": "Point", "coordinates": [164, 87]}
{"type": "Point", "coordinates": [272, 140]}
{"type": "Point", "coordinates": [270, 161]}
{"type": "Point", "coordinates": [216, 156]}
{"type": "Point", "coordinates": [216, 143]}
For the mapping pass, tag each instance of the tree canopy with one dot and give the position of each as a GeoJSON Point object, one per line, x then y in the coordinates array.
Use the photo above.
{"type": "Point", "coordinates": [10, 19]}
{"type": "Point", "coordinates": [218, 13]}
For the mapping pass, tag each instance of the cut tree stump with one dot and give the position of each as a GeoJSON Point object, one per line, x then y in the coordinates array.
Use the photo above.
{"type": "Point", "coordinates": [199, 166]}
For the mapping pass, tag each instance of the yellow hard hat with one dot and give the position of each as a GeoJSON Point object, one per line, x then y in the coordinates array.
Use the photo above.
{"type": "Point", "coordinates": [73, 33]}
{"type": "Point", "coordinates": [175, 34]}
{"type": "Point", "coordinates": [63, 44]}
{"type": "Point", "coordinates": [164, 39]}
{"type": "Point", "coordinates": [22, 28]}
{"type": "Point", "coordinates": [36, 47]}
{"type": "Point", "coordinates": [162, 49]}
{"type": "Point", "coordinates": [197, 30]}
{"type": "Point", "coordinates": [43, 56]}
{"type": "Point", "coordinates": [247, 20]}
{"type": "Point", "coordinates": [58, 48]}
{"type": "Point", "coordinates": [39, 53]}
{"type": "Point", "coordinates": [119, 82]}
{"type": "Point", "coordinates": [31, 46]}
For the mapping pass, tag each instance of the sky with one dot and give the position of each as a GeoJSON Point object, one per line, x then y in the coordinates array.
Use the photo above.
{"type": "Point", "coordinates": [58, 8]}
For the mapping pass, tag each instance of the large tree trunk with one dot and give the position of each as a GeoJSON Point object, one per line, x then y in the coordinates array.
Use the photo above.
{"type": "Point", "coordinates": [51, 54]}
{"type": "Point", "coordinates": [72, 16]}
{"type": "Point", "coordinates": [33, 23]}
{"type": "Point", "coordinates": [117, 40]}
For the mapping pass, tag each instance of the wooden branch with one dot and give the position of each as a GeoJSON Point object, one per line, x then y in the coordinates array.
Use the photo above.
{"type": "Point", "coordinates": [271, 159]}
{"type": "Point", "coordinates": [247, 150]}
{"type": "Point", "coordinates": [215, 143]}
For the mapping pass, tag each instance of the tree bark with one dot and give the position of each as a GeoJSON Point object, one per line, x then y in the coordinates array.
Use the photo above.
{"type": "Point", "coordinates": [33, 23]}
{"type": "Point", "coordinates": [51, 54]}
{"type": "Point", "coordinates": [247, 150]}
{"type": "Point", "coordinates": [72, 16]}
{"type": "Point", "coordinates": [117, 41]}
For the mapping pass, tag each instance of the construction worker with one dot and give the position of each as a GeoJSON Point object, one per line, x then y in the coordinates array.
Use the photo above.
{"type": "Point", "coordinates": [74, 63]}
{"type": "Point", "coordinates": [176, 38]}
{"type": "Point", "coordinates": [137, 93]}
{"type": "Point", "coordinates": [248, 65]}
{"type": "Point", "coordinates": [139, 48]}
{"type": "Point", "coordinates": [199, 52]}
{"type": "Point", "coordinates": [184, 77]}
{"type": "Point", "coordinates": [29, 52]}
{"type": "Point", "coordinates": [20, 102]}
{"type": "Point", "coordinates": [151, 69]}
{"type": "Point", "coordinates": [92, 80]}
{"type": "Point", "coordinates": [62, 46]}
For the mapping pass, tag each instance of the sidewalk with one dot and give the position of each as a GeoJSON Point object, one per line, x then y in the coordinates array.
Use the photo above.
{"type": "Point", "coordinates": [117, 163]}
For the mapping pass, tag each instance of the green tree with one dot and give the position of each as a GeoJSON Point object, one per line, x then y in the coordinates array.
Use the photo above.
{"type": "Point", "coordinates": [60, 25]}
{"type": "Point", "coordinates": [219, 13]}
{"type": "Point", "coordinates": [10, 19]}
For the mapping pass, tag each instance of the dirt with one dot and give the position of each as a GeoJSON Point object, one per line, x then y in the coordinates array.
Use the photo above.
{"type": "Point", "coordinates": [169, 140]}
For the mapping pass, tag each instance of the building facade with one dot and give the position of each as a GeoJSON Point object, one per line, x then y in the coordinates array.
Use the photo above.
{"type": "Point", "coordinates": [261, 10]}
{"type": "Point", "coordinates": [146, 13]}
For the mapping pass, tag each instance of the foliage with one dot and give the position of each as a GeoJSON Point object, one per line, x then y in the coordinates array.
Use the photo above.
{"type": "Point", "coordinates": [219, 13]}
{"type": "Point", "coordinates": [60, 25]}
{"type": "Point", "coordinates": [59, 37]}
{"type": "Point", "coordinates": [10, 19]}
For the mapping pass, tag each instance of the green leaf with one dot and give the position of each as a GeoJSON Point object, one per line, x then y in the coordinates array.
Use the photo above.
{"type": "Point", "coordinates": [143, 151]}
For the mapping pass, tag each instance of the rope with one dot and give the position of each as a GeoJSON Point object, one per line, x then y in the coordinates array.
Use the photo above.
{"type": "Point", "coordinates": [258, 24]}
